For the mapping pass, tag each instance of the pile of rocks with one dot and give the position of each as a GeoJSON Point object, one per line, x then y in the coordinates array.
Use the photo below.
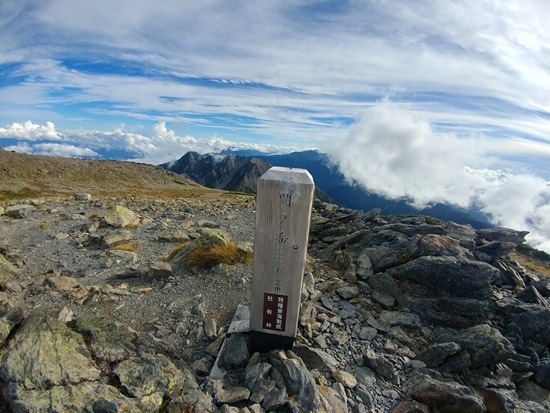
{"type": "Point", "coordinates": [399, 314]}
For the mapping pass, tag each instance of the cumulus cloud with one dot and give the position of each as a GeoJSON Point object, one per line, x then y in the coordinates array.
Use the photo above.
{"type": "Point", "coordinates": [161, 145]}
{"type": "Point", "coordinates": [30, 131]}
{"type": "Point", "coordinates": [396, 155]}
{"type": "Point", "coordinates": [53, 149]}
{"type": "Point", "coordinates": [165, 145]}
{"type": "Point", "coordinates": [390, 152]}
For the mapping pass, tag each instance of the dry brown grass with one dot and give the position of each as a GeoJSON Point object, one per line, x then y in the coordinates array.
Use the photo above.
{"type": "Point", "coordinates": [129, 247]}
{"type": "Point", "coordinates": [175, 250]}
{"type": "Point", "coordinates": [44, 225]}
{"type": "Point", "coordinates": [531, 262]}
{"type": "Point", "coordinates": [35, 176]}
{"type": "Point", "coordinates": [208, 257]}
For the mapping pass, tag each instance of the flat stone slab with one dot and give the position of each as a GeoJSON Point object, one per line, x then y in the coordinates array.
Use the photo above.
{"type": "Point", "coordinates": [241, 320]}
{"type": "Point", "coordinates": [239, 324]}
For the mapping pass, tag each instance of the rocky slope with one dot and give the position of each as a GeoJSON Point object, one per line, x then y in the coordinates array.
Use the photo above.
{"type": "Point", "coordinates": [399, 314]}
{"type": "Point", "coordinates": [27, 176]}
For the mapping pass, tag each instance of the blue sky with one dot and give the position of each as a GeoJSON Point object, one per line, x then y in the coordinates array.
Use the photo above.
{"type": "Point", "coordinates": [466, 82]}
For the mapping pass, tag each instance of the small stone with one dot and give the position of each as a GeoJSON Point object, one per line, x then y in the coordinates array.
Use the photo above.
{"type": "Point", "coordinates": [229, 409]}
{"type": "Point", "coordinates": [386, 301]}
{"type": "Point", "coordinates": [347, 379]}
{"type": "Point", "coordinates": [316, 359]}
{"type": "Point", "coordinates": [200, 367]}
{"type": "Point", "coordinates": [198, 310]}
{"type": "Point", "coordinates": [82, 197]}
{"type": "Point", "coordinates": [256, 408]}
{"type": "Point", "coordinates": [160, 270]}
{"type": "Point", "coordinates": [216, 344]}
{"type": "Point", "coordinates": [348, 292]}
{"type": "Point", "coordinates": [416, 364]}
{"type": "Point", "coordinates": [121, 217]}
{"type": "Point", "coordinates": [345, 314]}
{"type": "Point", "coordinates": [208, 224]}
{"type": "Point", "coordinates": [13, 286]}
{"type": "Point", "coordinates": [210, 327]}
{"type": "Point", "coordinates": [275, 400]}
{"type": "Point", "coordinates": [65, 315]}
{"type": "Point", "coordinates": [379, 364]}
{"type": "Point", "coordinates": [364, 267]}
{"type": "Point", "coordinates": [400, 318]}
{"type": "Point", "coordinates": [436, 354]}
{"type": "Point", "coordinates": [367, 333]}
{"type": "Point", "coordinates": [173, 236]}
{"type": "Point", "coordinates": [234, 353]}
{"type": "Point", "coordinates": [340, 338]}
{"type": "Point", "coordinates": [321, 341]}
{"type": "Point", "coordinates": [231, 395]}
{"type": "Point", "coordinates": [442, 394]}
{"type": "Point", "coordinates": [117, 239]}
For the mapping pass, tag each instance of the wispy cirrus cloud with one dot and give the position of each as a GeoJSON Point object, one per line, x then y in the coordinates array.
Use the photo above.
{"type": "Point", "coordinates": [467, 79]}
{"type": "Point", "coordinates": [296, 67]}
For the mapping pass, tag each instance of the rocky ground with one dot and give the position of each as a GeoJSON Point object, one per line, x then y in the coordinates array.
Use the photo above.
{"type": "Point", "coordinates": [399, 314]}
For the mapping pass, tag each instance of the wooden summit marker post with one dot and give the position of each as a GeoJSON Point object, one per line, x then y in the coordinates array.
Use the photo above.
{"type": "Point", "coordinates": [283, 212]}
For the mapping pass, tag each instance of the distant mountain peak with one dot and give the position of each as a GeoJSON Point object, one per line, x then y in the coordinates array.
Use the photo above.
{"type": "Point", "coordinates": [221, 171]}
{"type": "Point", "coordinates": [231, 170]}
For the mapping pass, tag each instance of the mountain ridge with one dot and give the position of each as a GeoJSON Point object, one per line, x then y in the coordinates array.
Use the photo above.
{"type": "Point", "coordinates": [231, 173]}
{"type": "Point", "coordinates": [331, 184]}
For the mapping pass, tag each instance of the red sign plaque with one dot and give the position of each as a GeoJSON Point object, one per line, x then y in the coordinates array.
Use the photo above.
{"type": "Point", "coordinates": [275, 306]}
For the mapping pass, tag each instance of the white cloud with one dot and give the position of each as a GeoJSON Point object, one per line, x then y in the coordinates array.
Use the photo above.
{"type": "Point", "coordinates": [53, 149]}
{"type": "Point", "coordinates": [392, 153]}
{"type": "Point", "coordinates": [521, 202]}
{"type": "Point", "coordinates": [165, 145]}
{"type": "Point", "coordinates": [162, 145]}
{"type": "Point", "coordinates": [30, 131]}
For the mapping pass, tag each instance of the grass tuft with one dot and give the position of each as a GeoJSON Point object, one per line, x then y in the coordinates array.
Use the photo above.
{"type": "Point", "coordinates": [174, 251]}
{"type": "Point", "coordinates": [208, 257]}
{"type": "Point", "coordinates": [130, 247]}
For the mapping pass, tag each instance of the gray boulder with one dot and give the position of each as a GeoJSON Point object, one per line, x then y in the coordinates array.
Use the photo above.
{"type": "Point", "coordinates": [454, 312]}
{"type": "Point", "coordinates": [122, 217]}
{"type": "Point", "coordinates": [298, 381]}
{"type": "Point", "coordinates": [526, 322]}
{"type": "Point", "coordinates": [542, 373]}
{"type": "Point", "coordinates": [19, 211]}
{"type": "Point", "coordinates": [436, 354]}
{"type": "Point", "coordinates": [486, 345]}
{"type": "Point", "coordinates": [108, 341]}
{"type": "Point", "coordinates": [146, 375]}
{"type": "Point", "coordinates": [500, 234]}
{"type": "Point", "coordinates": [443, 395]}
{"type": "Point", "coordinates": [443, 276]}
{"type": "Point", "coordinates": [33, 362]}
{"type": "Point", "coordinates": [438, 245]}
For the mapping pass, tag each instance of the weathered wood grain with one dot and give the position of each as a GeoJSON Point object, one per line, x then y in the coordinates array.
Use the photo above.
{"type": "Point", "coordinates": [283, 212]}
